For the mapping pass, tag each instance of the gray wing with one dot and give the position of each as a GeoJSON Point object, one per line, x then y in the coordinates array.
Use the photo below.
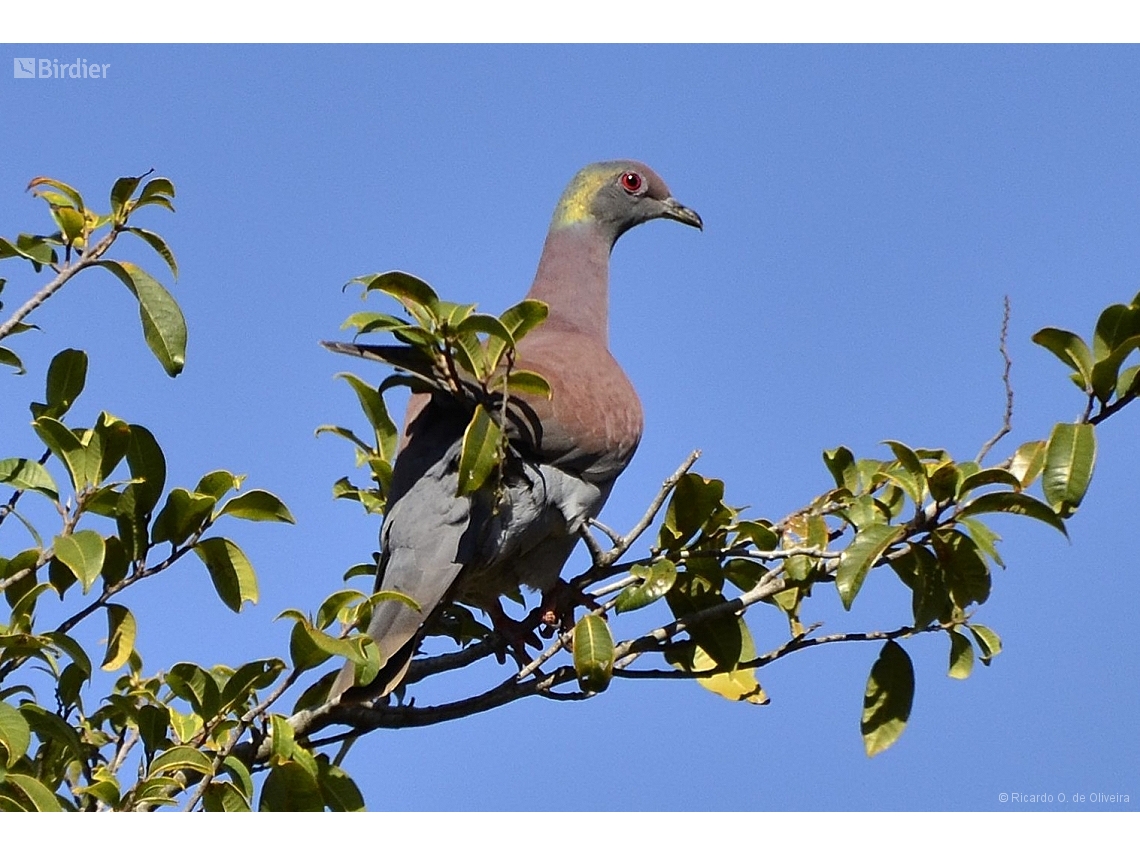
{"type": "Point", "coordinates": [425, 541]}
{"type": "Point", "coordinates": [436, 545]}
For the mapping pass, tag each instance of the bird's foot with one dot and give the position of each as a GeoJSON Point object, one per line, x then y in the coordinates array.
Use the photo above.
{"type": "Point", "coordinates": [516, 636]}
{"type": "Point", "coordinates": [558, 606]}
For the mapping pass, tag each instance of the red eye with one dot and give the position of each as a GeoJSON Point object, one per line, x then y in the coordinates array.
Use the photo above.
{"type": "Point", "coordinates": [631, 182]}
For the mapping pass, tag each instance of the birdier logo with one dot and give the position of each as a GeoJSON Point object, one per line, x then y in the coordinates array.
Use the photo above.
{"type": "Point", "coordinates": [29, 66]}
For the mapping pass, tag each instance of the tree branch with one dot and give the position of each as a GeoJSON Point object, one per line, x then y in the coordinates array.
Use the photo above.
{"type": "Point", "coordinates": [86, 259]}
{"type": "Point", "coordinates": [1007, 421]}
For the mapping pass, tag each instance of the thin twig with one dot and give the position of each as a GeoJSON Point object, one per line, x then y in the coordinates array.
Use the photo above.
{"type": "Point", "coordinates": [87, 259]}
{"type": "Point", "coordinates": [1007, 421]}
{"type": "Point", "coordinates": [622, 544]}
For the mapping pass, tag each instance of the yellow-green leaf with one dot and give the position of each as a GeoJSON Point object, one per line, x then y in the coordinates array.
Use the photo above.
{"type": "Point", "coordinates": [33, 793]}
{"type": "Point", "coordinates": [15, 735]}
{"type": "Point", "coordinates": [656, 580]}
{"type": "Point", "coordinates": [593, 653]}
{"type": "Point", "coordinates": [121, 633]}
{"type": "Point", "coordinates": [1070, 349]}
{"type": "Point", "coordinates": [481, 451]}
{"type": "Point", "coordinates": [961, 655]}
{"type": "Point", "coordinates": [230, 571]}
{"type": "Point", "coordinates": [1028, 461]}
{"type": "Point", "coordinates": [82, 553]}
{"type": "Point", "coordinates": [887, 700]}
{"type": "Point", "coordinates": [181, 757]}
{"type": "Point", "coordinates": [858, 559]}
{"type": "Point", "coordinates": [164, 326]}
{"type": "Point", "coordinates": [259, 506]}
{"type": "Point", "coordinates": [1069, 461]}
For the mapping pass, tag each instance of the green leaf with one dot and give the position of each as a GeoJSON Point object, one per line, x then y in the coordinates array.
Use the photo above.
{"type": "Point", "coordinates": [178, 758]}
{"type": "Point", "coordinates": [146, 462]}
{"type": "Point", "coordinates": [121, 633]}
{"type": "Point", "coordinates": [1104, 373]}
{"type": "Point", "coordinates": [154, 722]}
{"type": "Point", "coordinates": [230, 571]}
{"type": "Point", "coordinates": [1128, 382]}
{"type": "Point", "coordinates": [985, 478]}
{"type": "Point", "coordinates": [31, 792]}
{"type": "Point", "coordinates": [31, 247]}
{"type": "Point", "coordinates": [757, 532]}
{"type": "Point", "coordinates": [338, 790]}
{"type": "Point", "coordinates": [82, 553]}
{"type": "Point", "coordinates": [372, 403]}
{"type": "Point", "coordinates": [1115, 324]}
{"type": "Point", "coordinates": [224, 796]}
{"type": "Point", "coordinates": [857, 560]}
{"type": "Point", "coordinates": [183, 515]}
{"type": "Point", "coordinates": [218, 483]}
{"type": "Point", "coordinates": [259, 506]}
{"type": "Point", "coordinates": [304, 651]}
{"type": "Point", "coordinates": [1028, 461]}
{"type": "Point", "coordinates": [249, 678]}
{"type": "Point", "coordinates": [1070, 348]}
{"type": "Point", "coordinates": [518, 320]}
{"type": "Point", "coordinates": [158, 244]}
{"type": "Point", "coordinates": [481, 451]}
{"type": "Point", "coordinates": [1069, 461]}
{"type": "Point", "coordinates": [155, 192]}
{"type": "Point", "coordinates": [121, 192]}
{"type": "Point", "coordinates": [988, 641]}
{"type": "Point", "coordinates": [9, 358]}
{"type": "Point", "coordinates": [51, 728]}
{"type": "Point", "coordinates": [529, 383]}
{"type": "Point", "coordinates": [841, 463]}
{"type": "Point", "coordinates": [195, 684]}
{"type": "Point", "coordinates": [67, 190]}
{"type": "Point", "coordinates": [964, 569]}
{"type": "Point", "coordinates": [333, 604]}
{"type": "Point", "coordinates": [72, 648]}
{"type": "Point", "coordinates": [239, 774]}
{"type": "Point", "coordinates": [887, 700]}
{"type": "Point", "coordinates": [24, 474]}
{"type": "Point", "coordinates": [1014, 503]}
{"type": "Point", "coordinates": [944, 481]}
{"type": "Point", "coordinates": [291, 787]}
{"type": "Point", "coordinates": [961, 655]}
{"type": "Point", "coordinates": [70, 221]}
{"type": "Point", "coordinates": [736, 684]}
{"type": "Point", "coordinates": [414, 293]}
{"type": "Point", "coordinates": [367, 322]}
{"type": "Point", "coordinates": [66, 377]}
{"type": "Point", "coordinates": [15, 735]}
{"type": "Point", "coordinates": [593, 653]}
{"type": "Point", "coordinates": [906, 456]}
{"type": "Point", "coordinates": [164, 327]}
{"type": "Point", "coordinates": [694, 503]}
{"type": "Point", "coordinates": [488, 325]}
{"type": "Point", "coordinates": [984, 537]}
{"type": "Point", "coordinates": [67, 449]}
{"type": "Point", "coordinates": [657, 579]}
{"type": "Point", "coordinates": [470, 356]}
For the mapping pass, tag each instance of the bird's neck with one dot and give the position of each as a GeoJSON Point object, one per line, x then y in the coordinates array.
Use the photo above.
{"type": "Point", "coordinates": [573, 279]}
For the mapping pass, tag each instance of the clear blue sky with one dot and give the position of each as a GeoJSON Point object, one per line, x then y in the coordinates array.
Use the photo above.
{"type": "Point", "coordinates": [866, 209]}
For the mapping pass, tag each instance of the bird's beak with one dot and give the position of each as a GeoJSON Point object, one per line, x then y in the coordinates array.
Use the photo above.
{"type": "Point", "coordinates": [674, 210]}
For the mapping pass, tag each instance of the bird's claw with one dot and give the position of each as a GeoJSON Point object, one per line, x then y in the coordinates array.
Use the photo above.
{"type": "Point", "coordinates": [558, 606]}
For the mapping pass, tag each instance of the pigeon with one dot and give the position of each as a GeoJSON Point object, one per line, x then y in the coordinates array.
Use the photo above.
{"type": "Point", "coordinates": [438, 547]}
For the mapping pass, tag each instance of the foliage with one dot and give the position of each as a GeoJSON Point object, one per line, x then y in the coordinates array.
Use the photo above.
{"type": "Point", "coordinates": [200, 737]}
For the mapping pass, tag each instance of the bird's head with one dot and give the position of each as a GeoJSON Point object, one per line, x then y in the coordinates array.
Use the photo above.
{"type": "Point", "coordinates": [617, 195]}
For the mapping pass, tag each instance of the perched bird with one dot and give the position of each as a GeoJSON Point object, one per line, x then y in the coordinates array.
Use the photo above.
{"type": "Point", "coordinates": [438, 547]}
